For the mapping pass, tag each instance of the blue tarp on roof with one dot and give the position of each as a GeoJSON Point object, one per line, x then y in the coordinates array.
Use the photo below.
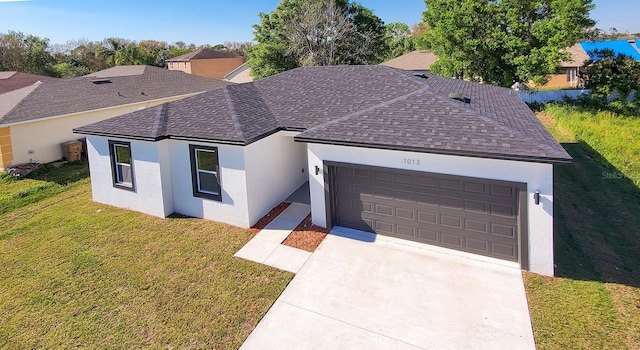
{"type": "Point", "coordinates": [617, 46]}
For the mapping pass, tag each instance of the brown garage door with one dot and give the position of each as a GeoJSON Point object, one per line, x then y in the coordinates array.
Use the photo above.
{"type": "Point", "coordinates": [468, 214]}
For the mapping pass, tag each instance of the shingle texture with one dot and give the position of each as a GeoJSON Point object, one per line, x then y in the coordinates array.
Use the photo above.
{"type": "Point", "coordinates": [109, 88]}
{"type": "Point", "coordinates": [368, 106]}
{"type": "Point", "coordinates": [10, 81]}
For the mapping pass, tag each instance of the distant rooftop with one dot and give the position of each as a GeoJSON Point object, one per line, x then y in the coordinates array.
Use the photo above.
{"type": "Point", "coordinates": [104, 89]}
{"type": "Point", "coordinates": [10, 81]}
{"type": "Point", "coordinates": [205, 53]}
{"type": "Point", "coordinates": [415, 61]}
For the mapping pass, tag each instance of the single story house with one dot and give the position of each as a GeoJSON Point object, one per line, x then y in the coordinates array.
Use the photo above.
{"type": "Point", "coordinates": [13, 80]}
{"type": "Point", "coordinates": [206, 62]}
{"type": "Point", "coordinates": [36, 119]}
{"type": "Point", "coordinates": [416, 61]}
{"type": "Point", "coordinates": [440, 161]}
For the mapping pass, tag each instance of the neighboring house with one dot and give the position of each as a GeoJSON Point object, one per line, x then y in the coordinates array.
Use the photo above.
{"type": "Point", "coordinates": [10, 81]}
{"type": "Point", "coordinates": [240, 75]}
{"type": "Point", "coordinates": [34, 120]}
{"type": "Point", "coordinates": [417, 61]}
{"type": "Point", "coordinates": [570, 70]}
{"type": "Point", "coordinates": [206, 62]}
{"type": "Point", "coordinates": [429, 159]}
{"type": "Point", "coordinates": [569, 74]}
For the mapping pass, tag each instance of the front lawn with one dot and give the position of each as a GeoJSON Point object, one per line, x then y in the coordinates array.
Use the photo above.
{"type": "Point", "coordinates": [594, 302]}
{"type": "Point", "coordinates": [77, 274]}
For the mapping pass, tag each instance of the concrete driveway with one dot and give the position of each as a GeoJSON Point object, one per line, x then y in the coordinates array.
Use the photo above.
{"type": "Point", "coordinates": [354, 294]}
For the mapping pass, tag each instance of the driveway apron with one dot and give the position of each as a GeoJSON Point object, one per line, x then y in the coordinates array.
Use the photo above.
{"type": "Point", "coordinates": [383, 295]}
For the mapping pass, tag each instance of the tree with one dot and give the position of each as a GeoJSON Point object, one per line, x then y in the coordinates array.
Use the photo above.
{"type": "Point", "coordinates": [25, 53]}
{"type": "Point", "coordinates": [399, 39]}
{"type": "Point", "coordinates": [504, 41]}
{"type": "Point", "coordinates": [321, 32]}
{"type": "Point", "coordinates": [608, 73]}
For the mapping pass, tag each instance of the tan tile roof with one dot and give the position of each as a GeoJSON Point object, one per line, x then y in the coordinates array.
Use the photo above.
{"type": "Point", "coordinates": [416, 60]}
{"type": "Point", "coordinates": [578, 56]}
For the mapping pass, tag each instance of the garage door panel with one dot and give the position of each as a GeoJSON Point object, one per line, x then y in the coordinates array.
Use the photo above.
{"type": "Point", "coordinates": [502, 191]}
{"type": "Point", "coordinates": [476, 226]}
{"type": "Point", "coordinates": [475, 187]}
{"type": "Point", "coordinates": [385, 210]}
{"type": "Point", "coordinates": [450, 221]}
{"type": "Point", "coordinates": [450, 184]}
{"type": "Point", "coordinates": [504, 251]}
{"type": "Point", "coordinates": [503, 230]}
{"type": "Point", "coordinates": [382, 175]}
{"type": "Point", "coordinates": [475, 206]}
{"type": "Point", "coordinates": [427, 217]}
{"type": "Point", "coordinates": [406, 232]}
{"type": "Point", "coordinates": [384, 227]}
{"type": "Point", "coordinates": [452, 240]}
{"type": "Point", "coordinates": [479, 246]}
{"type": "Point", "coordinates": [503, 210]}
{"type": "Point", "coordinates": [473, 215]}
{"type": "Point", "coordinates": [405, 213]}
{"type": "Point", "coordinates": [451, 203]}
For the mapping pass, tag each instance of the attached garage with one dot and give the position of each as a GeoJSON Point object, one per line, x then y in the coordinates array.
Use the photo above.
{"type": "Point", "coordinates": [475, 215]}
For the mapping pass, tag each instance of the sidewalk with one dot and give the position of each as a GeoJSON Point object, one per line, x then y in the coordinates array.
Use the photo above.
{"type": "Point", "coordinates": [266, 247]}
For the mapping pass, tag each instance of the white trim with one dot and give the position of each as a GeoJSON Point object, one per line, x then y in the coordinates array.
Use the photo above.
{"type": "Point", "coordinates": [99, 109]}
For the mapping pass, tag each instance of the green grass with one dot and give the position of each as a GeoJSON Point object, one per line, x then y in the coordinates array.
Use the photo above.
{"type": "Point", "coordinates": [594, 303]}
{"type": "Point", "coordinates": [49, 180]}
{"type": "Point", "coordinates": [78, 274]}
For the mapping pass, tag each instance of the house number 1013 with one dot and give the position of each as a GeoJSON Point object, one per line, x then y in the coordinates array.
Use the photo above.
{"type": "Point", "coordinates": [410, 161]}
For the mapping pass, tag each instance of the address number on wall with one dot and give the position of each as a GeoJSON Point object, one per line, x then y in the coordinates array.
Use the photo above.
{"type": "Point", "coordinates": [411, 161]}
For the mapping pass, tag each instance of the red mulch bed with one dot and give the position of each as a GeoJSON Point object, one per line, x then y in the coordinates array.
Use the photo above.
{"type": "Point", "coordinates": [306, 236]}
{"type": "Point", "coordinates": [269, 217]}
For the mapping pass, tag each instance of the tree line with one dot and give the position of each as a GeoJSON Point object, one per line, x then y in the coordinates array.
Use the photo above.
{"type": "Point", "coordinates": [33, 54]}
{"type": "Point", "coordinates": [500, 42]}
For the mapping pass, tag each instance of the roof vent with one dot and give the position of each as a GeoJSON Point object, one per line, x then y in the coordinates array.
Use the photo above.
{"type": "Point", "coordinates": [101, 81]}
{"type": "Point", "coordinates": [421, 75]}
{"type": "Point", "coordinates": [459, 97]}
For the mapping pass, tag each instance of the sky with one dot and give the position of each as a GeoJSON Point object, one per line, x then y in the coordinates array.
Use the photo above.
{"type": "Point", "coordinates": [210, 21]}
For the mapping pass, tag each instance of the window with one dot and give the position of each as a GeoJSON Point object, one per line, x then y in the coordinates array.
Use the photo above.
{"type": "Point", "coordinates": [170, 65]}
{"type": "Point", "coordinates": [121, 164]}
{"type": "Point", "coordinates": [571, 75]}
{"type": "Point", "coordinates": [205, 172]}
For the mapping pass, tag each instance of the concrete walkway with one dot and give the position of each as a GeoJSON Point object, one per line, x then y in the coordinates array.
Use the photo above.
{"type": "Point", "coordinates": [266, 247]}
{"type": "Point", "coordinates": [375, 294]}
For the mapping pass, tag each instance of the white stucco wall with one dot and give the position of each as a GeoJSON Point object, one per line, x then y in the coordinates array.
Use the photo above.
{"type": "Point", "coordinates": [148, 196]}
{"type": "Point", "coordinates": [275, 167]}
{"type": "Point", "coordinates": [39, 140]}
{"type": "Point", "coordinates": [537, 176]}
{"type": "Point", "coordinates": [234, 208]}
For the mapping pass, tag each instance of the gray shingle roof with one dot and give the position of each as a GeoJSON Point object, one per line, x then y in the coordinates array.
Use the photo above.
{"type": "Point", "coordinates": [368, 106]}
{"type": "Point", "coordinates": [120, 86]}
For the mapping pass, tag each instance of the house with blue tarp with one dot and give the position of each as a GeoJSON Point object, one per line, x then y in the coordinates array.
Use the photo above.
{"type": "Point", "coordinates": [568, 75]}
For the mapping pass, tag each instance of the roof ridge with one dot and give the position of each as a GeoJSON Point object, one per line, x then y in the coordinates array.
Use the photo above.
{"type": "Point", "coordinates": [160, 123]}
{"type": "Point", "coordinates": [23, 100]}
{"type": "Point", "coordinates": [363, 111]}
{"type": "Point", "coordinates": [234, 113]}
{"type": "Point", "coordinates": [497, 124]}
